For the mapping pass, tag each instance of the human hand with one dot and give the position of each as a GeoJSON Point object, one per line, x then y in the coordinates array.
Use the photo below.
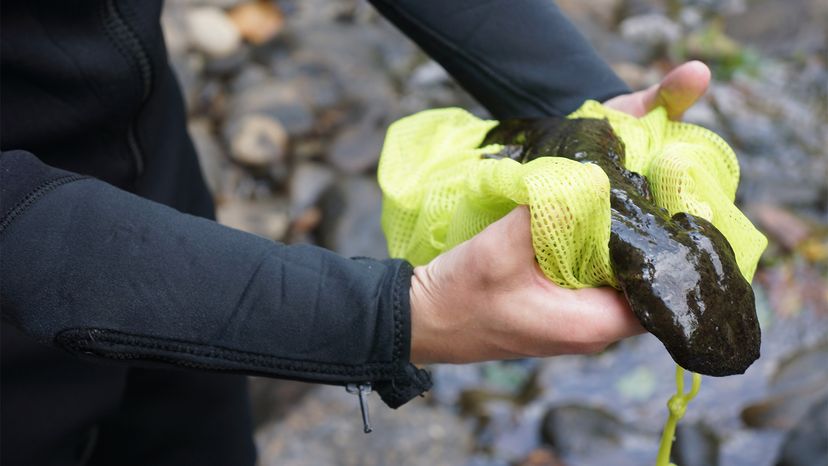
{"type": "Point", "coordinates": [677, 92]}
{"type": "Point", "coordinates": [487, 299]}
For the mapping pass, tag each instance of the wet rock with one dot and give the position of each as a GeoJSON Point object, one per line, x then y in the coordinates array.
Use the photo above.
{"type": "Point", "coordinates": [351, 222]}
{"type": "Point", "coordinates": [357, 148]}
{"type": "Point", "coordinates": [266, 218]}
{"type": "Point", "coordinates": [257, 140]}
{"type": "Point", "coordinates": [210, 154]}
{"type": "Point", "coordinates": [309, 181]}
{"type": "Point", "coordinates": [258, 22]}
{"type": "Point", "coordinates": [798, 383]}
{"type": "Point", "coordinates": [578, 429]}
{"type": "Point", "coordinates": [510, 434]}
{"type": "Point", "coordinates": [212, 32]}
{"type": "Point", "coordinates": [278, 101]}
{"type": "Point", "coordinates": [807, 443]}
{"type": "Point", "coordinates": [326, 429]}
{"type": "Point", "coordinates": [695, 445]}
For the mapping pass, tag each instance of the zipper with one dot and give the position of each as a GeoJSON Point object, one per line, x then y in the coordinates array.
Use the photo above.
{"type": "Point", "coordinates": [128, 43]}
{"type": "Point", "coordinates": [362, 390]}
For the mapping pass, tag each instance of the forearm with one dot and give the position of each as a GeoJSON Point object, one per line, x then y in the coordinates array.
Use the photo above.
{"type": "Point", "coordinates": [519, 59]}
{"type": "Point", "coordinates": [96, 270]}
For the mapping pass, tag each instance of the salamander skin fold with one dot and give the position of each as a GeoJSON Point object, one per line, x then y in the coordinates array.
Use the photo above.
{"type": "Point", "coordinates": [678, 273]}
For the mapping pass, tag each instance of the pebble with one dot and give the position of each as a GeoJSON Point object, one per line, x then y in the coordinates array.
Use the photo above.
{"type": "Point", "coordinates": [257, 140]}
{"type": "Point", "coordinates": [258, 22]}
{"type": "Point", "coordinates": [309, 181]}
{"type": "Point", "coordinates": [650, 30]}
{"type": "Point", "coordinates": [351, 221]}
{"type": "Point", "coordinates": [326, 429]}
{"type": "Point", "coordinates": [357, 148]}
{"type": "Point", "coordinates": [212, 32]}
{"type": "Point", "coordinates": [277, 100]}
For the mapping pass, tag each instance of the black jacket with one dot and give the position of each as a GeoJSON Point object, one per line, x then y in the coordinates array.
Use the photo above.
{"type": "Point", "coordinates": [109, 250]}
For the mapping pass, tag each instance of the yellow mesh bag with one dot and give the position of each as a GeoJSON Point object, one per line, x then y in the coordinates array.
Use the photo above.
{"type": "Point", "coordinates": [439, 192]}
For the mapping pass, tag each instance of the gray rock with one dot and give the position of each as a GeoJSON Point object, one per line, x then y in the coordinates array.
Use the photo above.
{"type": "Point", "coordinates": [351, 221]}
{"type": "Point", "coordinates": [578, 429]}
{"type": "Point", "coordinates": [695, 445]}
{"type": "Point", "coordinates": [212, 32]}
{"type": "Point", "coordinates": [228, 64]}
{"type": "Point", "coordinates": [249, 76]}
{"type": "Point", "coordinates": [357, 148]}
{"type": "Point", "coordinates": [309, 181]}
{"type": "Point", "coordinates": [257, 140]}
{"type": "Point", "coordinates": [807, 443]}
{"type": "Point", "coordinates": [266, 218]}
{"type": "Point", "coordinates": [326, 429]}
{"type": "Point", "coordinates": [650, 30]}
{"type": "Point", "coordinates": [277, 100]}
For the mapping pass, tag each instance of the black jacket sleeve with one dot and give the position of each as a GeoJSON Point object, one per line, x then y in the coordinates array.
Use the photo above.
{"type": "Point", "coordinates": [96, 270]}
{"type": "Point", "coordinates": [518, 58]}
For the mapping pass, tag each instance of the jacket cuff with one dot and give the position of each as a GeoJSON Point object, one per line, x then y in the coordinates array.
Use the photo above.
{"type": "Point", "coordinates": [407, 381]}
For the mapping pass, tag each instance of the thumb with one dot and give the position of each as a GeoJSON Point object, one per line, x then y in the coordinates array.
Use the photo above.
{"type": "Point", "coordinates": [679, 90]}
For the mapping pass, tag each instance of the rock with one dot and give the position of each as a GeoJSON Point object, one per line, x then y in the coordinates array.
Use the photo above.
{"type": "Point", "coordinates": [306, 222]}
{"type": "Point", "coordinates": [257, 21]}
{"type": "Point", "coordinates": [250, 75]}
{"type": "Point", "coordinates": [257, 140]}
{"type": "Point", "coordinates": [695, 445]}
{"type": "Point", "coordinates": [309, 181]}
{"type": "Point", "coordinates": [210, 155]}
{"type": "Point", "coordinates": [357, 148]}
{"type": "Point", "coordinates": [278, 101]}
{"type": "Point", "coordinates": [429, 73]}
{"type": "Point", "coordinates": [636, 76]}
{"type": "Point", "coordinates": [798, 383]}
{"type": "Point", "coordinates": [212, 32]}
{"type": "Point", "coordinates": [807, 443]}
{"type": "Point", "coordinates": [266, 218]}
{"type": "Point", "coordinates": [782, 28]}
{"type": "Point", "coordinates": [603, 12]}
{"type": "Point", "coordinates": [650, 30]}
{"type": "Point", "coordinates": [227, 65]}
{"type": "Point", "coordinates": [224, 4]}
{"type": "Point", "coordinates": [541, 457]}
{"type": "Point", "coordinates": [351, 222]}
{"type": "Point", "coordinates": [786, 228]}
{"type": "Point", "coordinates": [578, 429]}
{"type": "Point", "coordinates": [326, 429]}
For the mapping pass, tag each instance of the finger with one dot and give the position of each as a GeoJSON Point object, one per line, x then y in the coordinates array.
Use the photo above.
{"type": "Point", "coordinates": [680, 89]}
{"type": "Point", "coordinates": [610, 314]}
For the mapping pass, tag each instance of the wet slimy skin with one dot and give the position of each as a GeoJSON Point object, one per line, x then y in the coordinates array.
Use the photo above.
{"type": "Point", "coordinates": [679, 273]}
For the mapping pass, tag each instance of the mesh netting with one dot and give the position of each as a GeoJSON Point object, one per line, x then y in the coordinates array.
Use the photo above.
{"type": "Point", "coordinates": [439, 192]}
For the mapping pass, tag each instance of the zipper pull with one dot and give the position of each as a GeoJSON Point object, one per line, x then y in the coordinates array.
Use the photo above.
{"type": "Point", "coordinates": [362, 390]}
